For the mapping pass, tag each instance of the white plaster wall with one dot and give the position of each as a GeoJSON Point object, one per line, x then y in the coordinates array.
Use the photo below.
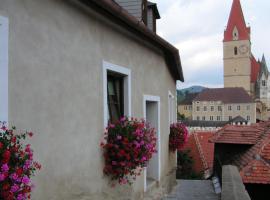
{"type": "Point", "coordinates": [4, 68]}
{"type": "Point", "coordinates": [55, 90]}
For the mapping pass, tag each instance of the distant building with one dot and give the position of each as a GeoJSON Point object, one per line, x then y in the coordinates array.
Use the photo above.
{"type": "Point", "coordinates": [212, 126]}
{"type": "Point", "coordinates": [241, 69]}
{"type": "Point", "coordinates": [223, 104]}
{"type": "Point", "coordinates": [185, 106]}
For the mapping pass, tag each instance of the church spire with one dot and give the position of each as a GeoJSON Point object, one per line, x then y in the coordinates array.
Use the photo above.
{"type": "Point", "coordinates": [236, 28]}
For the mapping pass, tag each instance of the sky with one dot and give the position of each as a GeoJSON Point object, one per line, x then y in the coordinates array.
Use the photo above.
{"type": "Point", "coordinates": [196, 28]}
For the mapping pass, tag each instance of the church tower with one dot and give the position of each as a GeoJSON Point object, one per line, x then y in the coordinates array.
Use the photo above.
{"type": "Point", "coordinates": [237, 50]}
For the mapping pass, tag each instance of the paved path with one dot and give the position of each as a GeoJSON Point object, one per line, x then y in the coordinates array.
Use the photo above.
{"type": "Point", "coordinates": [193, 190]}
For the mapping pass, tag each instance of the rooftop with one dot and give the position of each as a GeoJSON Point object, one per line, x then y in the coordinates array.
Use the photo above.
{"type": "Point", "coordinates": [202, 152]}
{"type": "Point", "coordinates": [254, 163]}
{"type": "Point", "coordinates": [238, 134]}
{"type": "Point", "coordinates": [225, 95]}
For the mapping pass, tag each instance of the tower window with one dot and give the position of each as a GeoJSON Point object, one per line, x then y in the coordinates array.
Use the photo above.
{"type": "Point", "coordinates": [235, 51]}
{"type": "Point", "coordinates": [263, 83]}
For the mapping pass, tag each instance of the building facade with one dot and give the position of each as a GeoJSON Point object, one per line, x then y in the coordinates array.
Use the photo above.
{"type": "Point", "coordinates": [223, 104]}
{"type": "Point", "coordinates": [241, 69]}
{"type": "Point", "coordinates": [65, 62]}
{"type": "Point", "coordinates": [185, 106]}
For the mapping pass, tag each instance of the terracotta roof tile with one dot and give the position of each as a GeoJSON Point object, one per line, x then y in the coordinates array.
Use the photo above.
{"type": "Point", "coordinates": [256, 172]}
{"type": "Point", "coordinates": [254, 164]}
{"type": "Point", "coordinates": [238, 134]}
{"type": "Point", "coordinates": [255, 69]}
{"type": "Point", "coordinates": [201, 150]}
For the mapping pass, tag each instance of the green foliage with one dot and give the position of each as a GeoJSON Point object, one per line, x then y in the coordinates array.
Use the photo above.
{"type": "Point", "coordinates": [185, 166]}
{"type": "Point", "coordinates": [181, 117]}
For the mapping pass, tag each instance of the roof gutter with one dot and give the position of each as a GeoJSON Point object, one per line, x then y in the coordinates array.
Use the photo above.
{"type": "Point", "coordinates": [122, 17]}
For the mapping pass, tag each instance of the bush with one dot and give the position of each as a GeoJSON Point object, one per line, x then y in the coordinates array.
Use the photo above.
{"type": "Point", "coordinates": [128, 145]}
{"type": "Point", "coordinates": [16, 164]}
{"type": "Point", "coordinates": [185, 166]}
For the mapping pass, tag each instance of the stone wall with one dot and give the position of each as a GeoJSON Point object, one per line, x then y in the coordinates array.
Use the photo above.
{"type": "Point", "coordinates": [232, 185]}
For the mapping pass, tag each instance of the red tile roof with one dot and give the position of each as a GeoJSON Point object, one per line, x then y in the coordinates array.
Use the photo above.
{"type": "Point", "coordinates": [226, 95]}
{"type": "Point", "coordinates": [234, 134]}
{"type": "Point", "coordinates": [256, 172]}
{"type": "Point", "coordinates": [201, 150]}
{"type": "Point", "coordinates": [255, 69]}
{"type": "Point", "coordinates": [253, 164]}
{"type": "Point", "coordinates": [236, 19]}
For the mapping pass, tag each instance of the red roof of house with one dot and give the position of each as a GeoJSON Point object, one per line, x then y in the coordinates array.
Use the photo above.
{"type": "Point", "coordinates": [255, 69]}
{"type": "Point", "coordinates": [253, 164]}
{"type": "Point", "coordinates": [256, 172]}
{"type": "Point", "coordinates": [201, 150]}
{"type": "Point", "coordinates": [232, 134]}
{"type": "Point", "coordinates": [226, 95]}
{"type": "Point", "coordinates": [237, 20]}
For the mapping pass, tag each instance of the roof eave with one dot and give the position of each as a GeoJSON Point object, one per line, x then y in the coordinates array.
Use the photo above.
{"type": "Point", "coordinates": [114, 12]}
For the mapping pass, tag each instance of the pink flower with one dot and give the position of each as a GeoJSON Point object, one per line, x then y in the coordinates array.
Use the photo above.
{"type": "Point", "coordinates": [25, 180]}
{"type": "Point", "coordinates": [5, 168]}
{"type": "Point", "coordinates": [14, 176]}
{"type": "Point", "coordinates": [2, 177]}
{"type": "Point", "coordinates": [14, 188]}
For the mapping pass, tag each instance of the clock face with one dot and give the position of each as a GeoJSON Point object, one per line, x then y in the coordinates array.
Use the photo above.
{"type": "Point", "coordinates": [243, 49]}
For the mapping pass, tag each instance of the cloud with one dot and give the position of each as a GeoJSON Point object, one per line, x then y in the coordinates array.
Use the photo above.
{"type": "Point", "coordinates": [196, 28]}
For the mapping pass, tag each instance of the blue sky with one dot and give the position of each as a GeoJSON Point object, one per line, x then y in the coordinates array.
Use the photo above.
{"type": "Point", "coordinates": [196, 28]}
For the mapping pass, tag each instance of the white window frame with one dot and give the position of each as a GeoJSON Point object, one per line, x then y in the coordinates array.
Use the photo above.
{"type": "Point", "coordinates": [172, 108]}
{"type": "Point", "coordinates": [109, 67]}
{"type": "Point", "coordinates": [4, 38]}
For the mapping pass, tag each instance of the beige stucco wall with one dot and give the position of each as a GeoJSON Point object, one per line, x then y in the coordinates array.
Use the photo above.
{"type": "Point", "coordinates": [56, 90]}
{"type": "Point", "coordinates": [201, 113]}
{"type": "Point", "coordinates": [246, 109]}
{"type": "Point", "coordinates": [237, 68]}
{"type": "Point", "coordinates": [185, 110]}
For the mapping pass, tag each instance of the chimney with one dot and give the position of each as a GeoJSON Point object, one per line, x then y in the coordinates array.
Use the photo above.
{"type": "Point", "coordinates": [145, 11]}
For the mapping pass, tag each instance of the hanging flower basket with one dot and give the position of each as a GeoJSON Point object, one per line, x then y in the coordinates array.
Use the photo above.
{"type": "Point", "coordinates": [16, 165]}
{"type": "Point", "coordinates": [128, 145]}
{"type": "Point", "coordinates": [178, 136]}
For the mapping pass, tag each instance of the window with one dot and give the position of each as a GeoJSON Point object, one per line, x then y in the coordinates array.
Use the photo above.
{"type": "Point", "coordinates": [219, 108]}
{"type": "Point", "coordinates": [248, 107]}
{"type": "Point", "coordinates": [198, 118]}
{"type": "Point", "coordinates": [203, 118]}
{"type": "Point", "coordinates": [238, 107]}
{"type": "Point", "coordinates": [205, 108]}
{"type": "Point", "coordinates": [212, 108]}
{"type": "Point", "coordinates": [248, 118]}
{"type": "Point", "coordinates": [218, 118]}
{"type": "Point", "coordinates": [190, 107]}
{"type": "Point", "coordinates": [235, 51]}
{"type": "Point", "coordinates": [116, 92]}
{"type": "Point", "coordinates": [115, 97]}
{"type": "Point", "coordinates": [198, 108]}
{"type": "Point", "coordinates": [211, 118]}
{"type": "Point", "coordinates": [185, 107]}
{"type": "Point", "coordinates": [229, 107]}
{"type": "Point", "coordinates": [230, 117]}
{"type": "Point", "coordinates": [263, 83]}
{"type": "Point", "coordinates": [4, 68]}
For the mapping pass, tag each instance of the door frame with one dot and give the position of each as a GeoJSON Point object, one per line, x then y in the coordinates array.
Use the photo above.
{"type": "Point", "coordinates": [150, 98]}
